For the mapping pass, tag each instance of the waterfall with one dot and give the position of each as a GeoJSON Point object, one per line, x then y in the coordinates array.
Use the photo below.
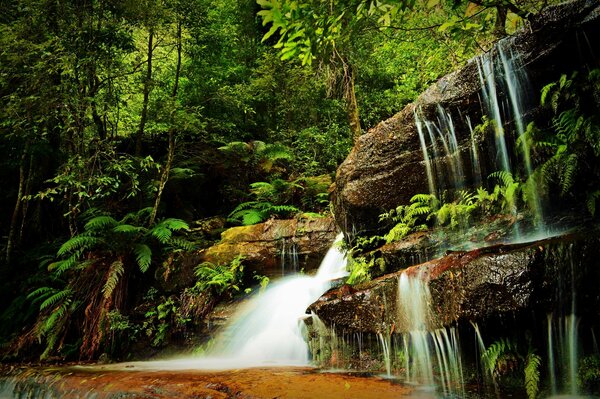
{"type": "Point", "coordinates": [422, 341]}
{"type": "Point", "coordinates": [269, 329]}
{"type": "Point", "coordinates": [442, 130]}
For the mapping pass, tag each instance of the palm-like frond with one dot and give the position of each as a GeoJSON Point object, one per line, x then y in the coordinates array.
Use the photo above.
{"type": "Point", "coordinates": [161, 233]}
{"type": "Point", "coordinates": [532, 374]}
{"type": "Point", "coordinates": [79, 242]}
{"type": "Point", "coordinates": [174, 224]}
{"type": "Point", "coordinates": [143, 256]}
{"type": "Point", "coordinates": [128, 229]}
{"type": "Point", "coordinates": [55, 298]}
{"type": "Point", "coordinates": [100, 222]}
{"type": "Point", "coordinates": [112, 278]}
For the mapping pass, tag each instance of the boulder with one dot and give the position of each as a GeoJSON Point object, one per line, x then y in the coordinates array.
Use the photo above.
{"type": "Point", "coordinates": [477, 285]}
{"type": "Point", "coordinates": [385, 167]}
{"type": "Point", "coordinates": [275, 247]}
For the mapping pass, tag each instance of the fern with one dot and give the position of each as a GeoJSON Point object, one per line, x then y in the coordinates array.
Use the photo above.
{"type": "Point", "coordinates": [494, 352]}
{"type": "Point", "coordinates": [532, 374]}
{"type": "Point", "coordinates": [174, 224]}
{"type": "Point", "coordinates": [79, 242]}
{"type": "Point", "coordinates": [115, 272]}
{"type": "Point", "coordinates": [181, 243]}
{"type": "Point", "coordinates": [55, 298]}
{"type": "Point", "coordinates": [128, 229]}
{"type": "Point", "coordinates": [100, 222]}
{"type": "Point", "coordinates": [161, 233]}
{"type": "Point", "coordinates": [591, 202]}
{"type": "Point", "coordinates": [143, 256]}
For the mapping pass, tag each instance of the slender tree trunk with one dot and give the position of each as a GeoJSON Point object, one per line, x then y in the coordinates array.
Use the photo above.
{"type": "Point", "coordinates": [147, 86]}
{"type": "Point", "coordinates": [14, 221]}
{"type": "Point", "coordinates": [26, 193]}
{"type": "Point", "coordinates": [171, 151]}
{"type": "Point", "coordinates": [351, 104]}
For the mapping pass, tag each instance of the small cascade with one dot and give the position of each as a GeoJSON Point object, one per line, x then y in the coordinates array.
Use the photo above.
{"type": "Point", "coordinates": [289, 257]}
{"type": "Point", "coordinates": [440, 131]}
{"type": "Point", "coordinates": [424, 343]}
{"type": "Point", "coordinates": [428, 164]}
{"type": "Point", "coordinates": [269, 328]}
{"type": "Point", "coordinates": [474, 154]}
{"type": "Point", "coordinates": [487, 78]}
{"type": "Point", "coordinates": [386, 345]}
{"type": "Point", "coordinates": [563, 354]}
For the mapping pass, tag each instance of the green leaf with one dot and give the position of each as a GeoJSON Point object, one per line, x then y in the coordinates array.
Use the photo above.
{"type": "Point", "coordinates": [112, 279]}
{"type": "Point", "coordinates": [143, 256]}
{"type": "Point", "coordinates": [100, 222]}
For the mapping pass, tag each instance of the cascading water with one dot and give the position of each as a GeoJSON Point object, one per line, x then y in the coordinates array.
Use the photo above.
{"type": "Point", "coordinates": [442, 130]}
{"type": "Point", "coordinates": [269, 328]}
{"type": "Point", "coordinates": [422, 340]}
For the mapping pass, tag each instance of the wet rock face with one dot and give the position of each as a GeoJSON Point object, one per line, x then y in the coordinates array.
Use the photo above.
{"type": "Point", "coordinates": [385, 168]}
{"type": "Point", "coordinates": [477, 285]}
{"type": "Point", "coordinates": [266, 245]}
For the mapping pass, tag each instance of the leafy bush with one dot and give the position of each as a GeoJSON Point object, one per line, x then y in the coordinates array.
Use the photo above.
{"type": "Point", "coordinates": [89, 281]}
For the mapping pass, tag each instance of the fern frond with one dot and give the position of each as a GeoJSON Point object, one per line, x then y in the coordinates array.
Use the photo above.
{"type": "Point", "coordinates": [40, 293]}
{"type": "Point", "coordinates": [174, 224]}
{"type": "Point", "coordinates": [591, 201]}
{"type": "Point", "coordinates": [112, 279]}
{"type": "Point", "coordinates": [128, 229]}
{"type": "Point", "coordinates": [59, 296]}
{"type": "Point", "coordinates": [143, 256]}
{"type": "Point", "coordinates": [100, 222]}
{"type": "Point", "coordinates": [545, 90]}
{"type": "Point", "coordinates": [79, 242]}
{"type": "Point", "coordinates": [505, 177]}
{"type": "Point", "coordinates": [161, 233]}
{"type": "Point", "coordinates": [532, 374]}
{"type": "Point", "coordinates": [253, 216]}
{"type": "Point", "coordinates": [568, 174]}
{"type": "Point", "coordinates": [284, 209]}
{"type": "Point", "coordinates": [494, 352]}
{"type": "Point", "coordinates": [181, 243]}
{"type": "Point", "coordinates": [241, 207]}
{"type": "Point", "coordinates": [397, 232]}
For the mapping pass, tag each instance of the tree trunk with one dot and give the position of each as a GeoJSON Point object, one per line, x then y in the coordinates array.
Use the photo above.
{"type": "Point", "coordinates": [14, 221]}
{"type": "Point", "coordinates": [171, 151]}
{"type": "Point", "coordinates": [147, 85]}
{"type": "Point", "coordinates": [351, 104]}
{"type": "Point", "coordinates": [500, 25]}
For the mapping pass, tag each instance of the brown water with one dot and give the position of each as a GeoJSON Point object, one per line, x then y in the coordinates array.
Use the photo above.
{"type": "Point", "coordinates": [283, 382]}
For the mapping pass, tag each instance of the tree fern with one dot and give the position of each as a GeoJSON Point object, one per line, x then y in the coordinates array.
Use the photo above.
{"type": "Point", "coordinates": [113, 276]}
{"type": "Point", "coordinates": [143, 256]}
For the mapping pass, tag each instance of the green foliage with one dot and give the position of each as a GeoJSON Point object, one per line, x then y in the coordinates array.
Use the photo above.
{"type": "Point", "coordinates": [221, 279]}
{"type": "Point", "coordinates": [589, 373]}
{"type": "Point", "coordinates": [503, 357]}
{"type": "Point", "coordinates": [360, 270]}
{"type": "Point", "coordinates": [410, 218]}
{"type": "Point", "coordinates": [532, 374]}
{"type": "Point", "coordinates": [572, 141]}
{"type": "Point", "coordinates": [105, 244]}
{"type": "Point", "coordinates": [497, 354]}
